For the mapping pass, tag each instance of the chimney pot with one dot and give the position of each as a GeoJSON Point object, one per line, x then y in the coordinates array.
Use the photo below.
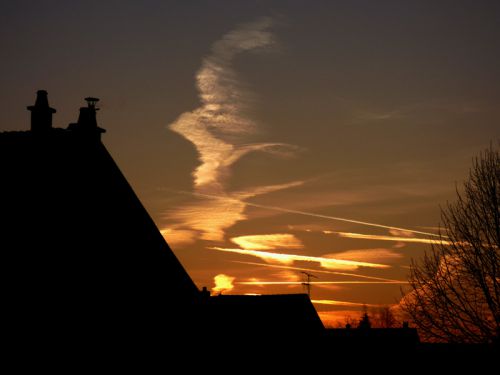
{"type": "Point", "coordinates": [41, 113]}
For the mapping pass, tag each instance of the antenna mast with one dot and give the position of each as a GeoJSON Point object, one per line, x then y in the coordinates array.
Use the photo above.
{"type": "Point", "coordinates": [307, 284]}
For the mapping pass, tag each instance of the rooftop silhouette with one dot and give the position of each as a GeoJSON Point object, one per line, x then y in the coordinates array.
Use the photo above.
{"type": "Point", "coordinates": [79, 245]}
{"type": "Point", "coordinates": [85, 261]}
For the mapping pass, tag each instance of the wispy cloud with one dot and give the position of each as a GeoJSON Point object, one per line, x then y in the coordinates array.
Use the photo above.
{"type": "Point", "coordinates": [400, 233]}
{"type": "Point", "coordinates": [423, 109]}
{"type": "Point", "coordinates": [391, 238]}
{"type": "Point", "coordinates": [179, 237]}
{"type": "Point", "coordinates": [287, 275]}
{"type": "Point", "coordinates": [265, 282]}
{"type": "Point", "coordinates": [312, 214]}
{"type": "Point", "coordinates": [316, 271]}
{"type": "Point", "coordinates": [223, 283]}
{"type": "Point", "coordinates": [341, 303]}
{"type": "Point", "coordinates": [219, 129]}
{"type": "Point", "coordinates": [208, 219]}
{"type": "Point", "coordinates": [396, 235]}
{"type": "Point", "coordinates": [289, 259]}
{"type": "Point", "coordinates": [368, 255]}
{"type": "Point", "coordinates": [268, 241]}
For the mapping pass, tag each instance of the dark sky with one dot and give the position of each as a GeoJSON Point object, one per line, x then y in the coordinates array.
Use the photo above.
{"type": "Point", "coordinates": [365, 110]}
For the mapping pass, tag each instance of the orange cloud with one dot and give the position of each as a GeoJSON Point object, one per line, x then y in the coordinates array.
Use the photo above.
{"type": "Point", "coordinates": [316, 271]}
{"type": "Point", "coordinates": [391, 238]}
{"type": "Point", "coordinates": [287, 275]}
{"type": "Point", "coordinates": [223, 283]}
{"type": "Point", "coordinates": [400, 233]}
{"type": "Point", "coordinates": [312, 214]}
{"type": "Point", "coordinates": [209, 219]}
{"type": "Point", "coordinates": [268, 241]}
{"type": "Point", "coordinates": [178, 237]}
{"type": "Point", "coordinates": [261, 282]}
{"type": "Point", "coordinates": [289, 259]}
{"type": "Point", "coordinates": [367, 255]}
{"type": "Point", "coordinates": [341, 303]}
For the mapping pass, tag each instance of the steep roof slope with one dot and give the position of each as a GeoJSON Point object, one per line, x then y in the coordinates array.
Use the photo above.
{"type": "Point", "coordinates": [76, 241]}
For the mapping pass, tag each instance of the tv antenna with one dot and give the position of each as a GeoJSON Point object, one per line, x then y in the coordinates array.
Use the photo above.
{"type": "Point", "coordinates": [307, 283]}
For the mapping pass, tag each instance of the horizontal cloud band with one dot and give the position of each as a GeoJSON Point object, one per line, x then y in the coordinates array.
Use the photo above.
{"type": "Point", "coordinates": [330, 263]}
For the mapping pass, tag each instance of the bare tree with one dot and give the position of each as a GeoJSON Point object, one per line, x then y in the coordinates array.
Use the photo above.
{"type": "Point", "coordinates": [350, 321]}
{"type": "Point", "coordinates": [455, 289]}
{"type": "Point", "coordinates": [383, 317]}
{"type": "Point", "coordinates": [364, 321]}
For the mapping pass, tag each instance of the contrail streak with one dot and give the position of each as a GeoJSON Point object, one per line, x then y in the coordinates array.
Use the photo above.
{"type": "Point", "coordinates": [304, 213]}
{"type": "Point", "coordinates": [391, 238]}
{"type": "Point", "coordinates": [290, 258]}
{"type": "Point", "coordinates": [341, 303]}
{"type": "Point", "coordinates": [317, 282]}
{"type": "Point", "coordinates": [315, 271]}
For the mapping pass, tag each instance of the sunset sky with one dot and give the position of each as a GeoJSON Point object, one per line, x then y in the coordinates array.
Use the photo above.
{"type": "Point", "coordinates": [270, 138]}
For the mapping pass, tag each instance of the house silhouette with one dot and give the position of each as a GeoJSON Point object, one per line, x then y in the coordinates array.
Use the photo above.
{"type": "Point", "coordinates": [85, 269]}
{"type": "Point", "coordinates": [85, 261]}
{"type": "Point", "coordinates": [83, 256]}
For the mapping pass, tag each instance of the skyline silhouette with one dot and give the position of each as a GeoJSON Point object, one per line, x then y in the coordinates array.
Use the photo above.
{"type": "Point", "coordinates": [95, 256]}
{"type": "Point", "coordinates": [106, 272]}
{"type": "Point", "coordinates": [262, 137]}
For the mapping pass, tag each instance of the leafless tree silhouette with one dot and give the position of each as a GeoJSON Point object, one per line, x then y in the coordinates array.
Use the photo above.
{"type": "Point", "coordinates": [383, 317]}
{"type": "Point", "coordinates": [455, 289]}
{"type": "Point", "coordinates": [365, 321]}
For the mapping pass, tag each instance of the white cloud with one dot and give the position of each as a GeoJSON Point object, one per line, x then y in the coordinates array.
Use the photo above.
{"type": "Point", "coordinates": [289, 259]}
{"type": "Point", "coordinates": [368, 255]}
{"type": "Point", "coordinates": [223, 283]}
{"type": "Point", "coordinates": [209, 218]}
{"type": "Point", "coordinates": [268, 241]}
{"type": "Point", "coordinates": [219, 129]}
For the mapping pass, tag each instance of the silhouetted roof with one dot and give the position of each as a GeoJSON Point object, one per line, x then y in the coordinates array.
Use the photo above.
{"type": "Point", "coordinates": [83, 257]}
{"type": "Point", "coordinates": [289, 314]}
{"type": "Point", "coordinates": [375, 337]}
{"type": "Point", "coordinates": [76, 241]}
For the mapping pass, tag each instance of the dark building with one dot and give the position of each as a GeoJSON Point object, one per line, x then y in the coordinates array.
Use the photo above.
{"type": "Point", "coordinates": [374, 339]}
{"type": "Point", "coordinates": [278, 315]}
{"type": "Point", "coordinates": [81, 254]}
{"type": "Point", "coordinates": [85, 262]}
{"type": "Point", "coordinates": [84, 265]}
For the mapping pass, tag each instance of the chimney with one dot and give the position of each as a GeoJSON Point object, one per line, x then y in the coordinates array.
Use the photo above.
{"type": "Point", "coordinates": [87, 119]}
{"type": "Point", "coordinates": [41, 113]}
{"type": "Point", "coordinates": [87, 122]}
{"type": "Point", "coordinates": [205, 293]}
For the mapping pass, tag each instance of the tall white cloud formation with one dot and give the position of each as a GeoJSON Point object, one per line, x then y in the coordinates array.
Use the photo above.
{"type": "Point", "coordinates": [219, 130]}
